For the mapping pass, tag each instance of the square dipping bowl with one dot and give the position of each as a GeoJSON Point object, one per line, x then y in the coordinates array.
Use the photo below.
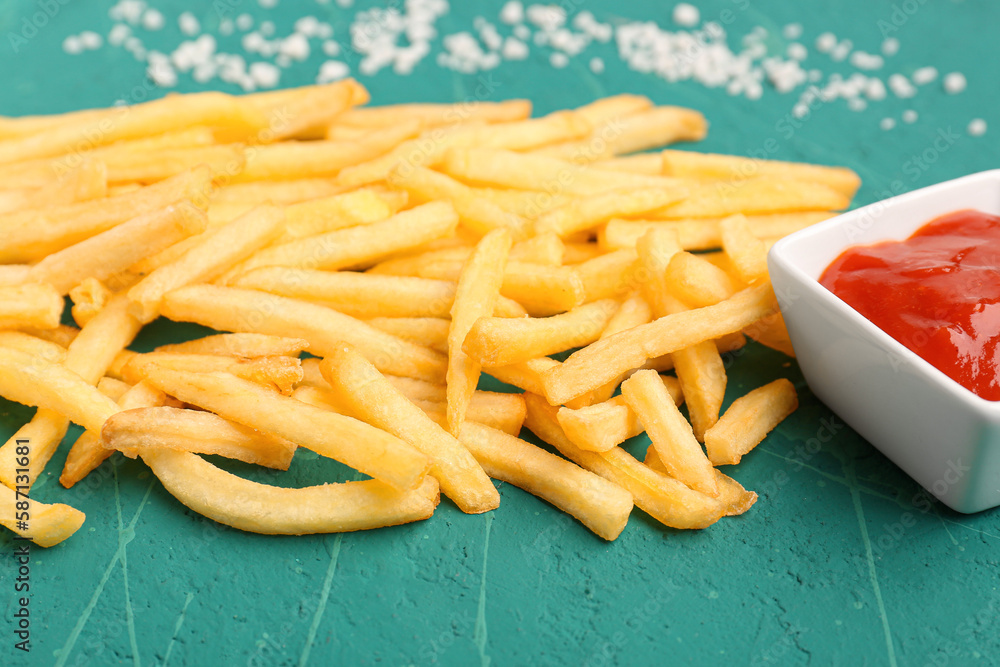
{"type": "Point", "coordinates": [941, 434]}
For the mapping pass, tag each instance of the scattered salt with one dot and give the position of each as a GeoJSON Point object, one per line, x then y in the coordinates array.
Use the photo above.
{"type": "Point", "coordinates": [890, 47]}
{"type": "Point", "coordinates": [72, 45]}
{"type": "Point", "coordinates": [901, 86]}
{"type": "Point", "coordinates": [867, 61]}
{"type": "Point", "coordinates": [887, 123]}
{"type": "Point", "coordinates": [90, 40]}
{"type": "Point", "coordinates": [514, 49]}
{"type": "Point", "coordinates": [954, 82]}
{"type": "Point", "coordinates": [686, 15]}
{"type": "Point", "coordinates": [152, 20]}
{"type": "Point", "coordinates": [826, 42]}
{"type": "Point", "coordinates": [977, 127]}
{"type": "Point", "coordinates": [924, 75]}
{"type": "Point", "coordinates": [909, 116]}
{"type": "Point", "coordinates": [244, 22]}
{"type": "Point", "coordinates": [512, 12]}
{"type": "Point", "coordinates": [596, 65]}
{"type": "Point", "coordinates": [265, 75]}
{"type": "Point", "coordinates": [188, 24]}
{"type": "Point", "coordinates": [559, 60]}
{"type": "Point", "coordinates": [792, 31]}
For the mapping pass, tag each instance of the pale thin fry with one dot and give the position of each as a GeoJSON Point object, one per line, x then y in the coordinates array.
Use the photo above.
{"type": "Point", "coordinates": [87, 452]}
{"type": "Point", "coordinates": [249, 311]}
{"type": "Point", "coordinates": [355, 246]}
{"type": "Point", "coordinates": [702, 374]}
{"type": "Point", "coordinates": [476, 295]}
{"type": "Point", "coordinates": [278, 372]}
{"type": "Point", "coordinates": [31, 304]}
{"type": "Point", "coordinates": [259, 508]}
{"type": "Point", "coordinates": [606, 359]}
{"type": "Point", "coordinates": [499, 341]}
{"type": "Point", "coordinates": [601, 426]}
{"type": "Point", "coordinates": [118, 248]}
{"type": "Point", "coordinates": [602, 506]}
{"type": "Point", "coordinates": [748, 421]}
{"type": "Point", "coordinates": [431, 332]}
{"type": "Point", "coordinates": [688, 164]}
{"type": "Point", "coordinates": [48, 525]}
{"type": "Point", "coordinates": [354, 443]}
{"type": "Point", "coordinates": [696, 281]}
{"type": "Point", "coordinates": [212, 256]}
{"type": "Point", "coordinates": [369, 395]}
{"type": "Point", "coordinates": [731, 493]}
{"type": "Point", "coordinates": [669, 432]}
{"type": "Point", "coordinates": [665, 499]}
{"type": "Point", "coordinates": [245, 345]}
{"type": "Point", "coordinates": [747, 253]}
{"type": "Point", "coordinates": [754, 196]}
{"type": "Point", "coordinates": [134, 431]}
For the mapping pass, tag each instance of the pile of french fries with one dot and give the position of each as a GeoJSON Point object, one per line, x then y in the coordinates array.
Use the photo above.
{"type": "Point", "coordinates": [407, 249]}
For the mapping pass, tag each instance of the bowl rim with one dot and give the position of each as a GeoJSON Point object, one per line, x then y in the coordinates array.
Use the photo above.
{"type": "Point", "coordinates": [782, 254]}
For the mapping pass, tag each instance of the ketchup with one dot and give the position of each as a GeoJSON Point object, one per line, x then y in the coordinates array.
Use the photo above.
{"type": "Point", "coordinates": [937, 293]}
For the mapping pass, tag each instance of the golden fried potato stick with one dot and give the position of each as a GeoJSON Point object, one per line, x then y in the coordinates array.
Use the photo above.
{"type": "Point", "coordinates": [352, 442]}
{"type": "Point", "coordinates": [88, 452]}
{"type": "Point", "coordinates": [366, 393]}
{"type": "Point", "coordinates": [120, 247]}
{"type": "Point", "coordinates": [669, 432]}
{"type": "Point", "coordinates": [48, 525]}
{"type": "Point", "coordinates": [36, 347]}
{"type": "Point", "coordinates": [133, 431]}
{"type": "Point", "coordinates": [688, 164]}
{"type": "Point", "coordinates": [348, 209]}
{"type": "Point", "coordinates": [215, 253]}
{"type": "Point", "coordinates": [748, 421]}
{"type": "Point", "coordinates": [280, 373]}
{"type": "Point", "coordinates": [243, 345]}
{"type": "Point", "coordinates": [259, 508]}
{"type": "Point", "coordinates": [606, 359]}
{"type": "Point", "coordinates": [665, 499]}
{"type": "Point", "coordinates": [476, 296]}
{"type": "Point", "coordinates": [754, 196]}
{"type": "Point", "coordinates": [250, 311]}
{"type": "Point", "coordinates": [696, 281]}
{"type": "Point", "coordinates": [32, 304]}
{"type": "Point", "coordinates": [435, 115]}
{"type": "Point", "coordinates": [430, 332]}
{"type": "Point", "coordinates": [499, 341]}
{"type": "Point", "coordinates": [89, 298]}
{"type": "Point", "coordinates": [600, 505]}
{"type": "Point", "coordinates": [731, 493]}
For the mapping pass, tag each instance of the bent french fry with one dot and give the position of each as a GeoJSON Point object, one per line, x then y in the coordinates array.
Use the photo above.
{"type": "Point", "coordinates": [352, 442]}
{"type": "Point", "coordinates": [748, 421]}
{"type": "Point", "coordinates": [259, 508]}
{"type": "Point", "coordinates": [281, 373]}
{"type": "Point", "coordinates": [48, 524]}
{"type": "Point", "coordinates": [600, 505]}
{"type": "Point", "coordinates": [371, 397]}
{"type": "Point", "coordinates": [736, 499]}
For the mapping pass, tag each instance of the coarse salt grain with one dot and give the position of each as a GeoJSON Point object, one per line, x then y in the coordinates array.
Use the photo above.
{"type": "Point", "coordinates": [887, 123]}
{"type": "Point", "coordinates": [792, 31]}
{"type": "Point", "coordinates": [331, 48]}
{"type": "Point", "coordinates": [512, 12]}
{"type": "Point", "coordinates": [686, 15]}
{"type": "Point", "coordinates": [118, 34]}
{"type": "Point", "coordinates": [867, 61]}
{"type": "Point", "coordinates": [559, 60]}
{"type": "Point", "coordinates": [826, 42]}
{"type": "Point", "coordinates": [152, 20]}
{"type": "Point", "coordinates": [244, 22]}
{"type": "Point", "coordinates": [901, 86]}
{"type": "Point", "coordinates": [90, 40]}
{"type": "Point", "coordinates": [890, 47]}
{"type": "Point", "coordinates": [72, 45]}
{"type": "Point", "coordinates": [909, 116]}
{"type": "Point", "coordinates": [842, 50]}
{"type": "Point", "coordinates": [596, 65]}
{"type": "Point", "coordinates": [977, 127]}
{"type": "Point", "coordinates": [924, 75]}
{"type": "Point", "coordinates": [514, 49]}
{"type": "Point", "coordinates": [954, 82]}
{"type": "Point", "coordinates": [265, 75]}
{"type": "Point", "coordinates": [188, 24]}
{"type": "Point", "coordinates": [797, 51]}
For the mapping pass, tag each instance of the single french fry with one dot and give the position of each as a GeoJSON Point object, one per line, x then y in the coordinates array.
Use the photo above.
{"type": "Point", "coordinates": [504, 412]}
{"type": "Point", "coordinates": [259, 508]}
{"type": "Point", "coordinates": [687, 164]}
{"type": "Point", "coordinates": [371, 397]}
{"type": "Point", "coordinates": [476, 295]}
{"type": "Point", "coordinates": [669, 432]}
{"type": "Point", "coordinates": [280, 373]}
{"type": "Point", "coordinates": [118, 248]}
{"type": "Point", "coordinates": [31, 304]}
{"type": "Point", "coordinates": [499, 341]}
{"type": "Point", "coordinates": [327, 214]}
{"type": "Point", "coordinates": [32, 235]}
{"type": "Point", "coordinates": [243, 345]}
{"type": "Point", "coordinates": [436, 115]}
{"type": "Point", "coordinates": [736, 499]}
{"type": "Point", "coordinates": [48, 525]}
{"type": "Point", "coordinates": [772, 332]}
{"type": "Point", "coordinates": [87, 452]}
{"type": "Point", "coordinates": [212, 256]}
{"type": "Point", "coordinates": [249, 311]}
{"type": "Point", "coordinates": [601, 426]}
{"type": "Point", "coordinates": [747, 253]}
{"type": "Point", "coordinates": [606, 359]}
{"type": "Point", "coordinates": [354, 443]}
{"type": "Point", "coordinates": [748, 421]}
{"type": "Point", "coordinates": [357, 246]}
{"type": "Point", "coordinates": [600, 505]}
{"type": "Point", "coordinates": [275, 192]}
{"type": "Point", "coordinates": [609, 276]}
{"type": "Point", "coordinates": [754, 196]}
{"type": "Point", "coordinates": [430, 332]}
{"type": "Point", "coordinates": [150, 166]}
{"type": "Point", "coordinates": [134, 431]}
{"type": "Point", "coordinates": [62, 335]}
{"type": "Point", "coordinates": [696, 281]}
{"type": "Point", "coordinates": [112, 388]}
{"type": "Point", "coordinates": [89, 298]}
{"type": "Point", "coordinates": [526, 375]}
{"type": "Point", "coordinates": [656, 250]}
{"type": "Point", "coordinates": [665, 499]}
{"type": "Point", "coordinates": [650, 164]}
{"type": "Point", "coordinates": [13, 274]}
{"type": "Point", "coordinates": [638, 131]}
{"type": "Point", "coordinates": [37, 347]}
{"type": "Point", "coordinates": [702, 375]}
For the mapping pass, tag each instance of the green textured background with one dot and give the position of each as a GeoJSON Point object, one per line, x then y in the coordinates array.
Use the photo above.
{"type": "Point", "coordinates": [840, 562]}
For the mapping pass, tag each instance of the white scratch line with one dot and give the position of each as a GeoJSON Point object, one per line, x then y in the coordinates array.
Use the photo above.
{"type": "Point", "coordinates": [872, 574]}
{"type": "Point", "coordinates": [177, 629]}
{"type": "Point", "coordinates": [122, 543]}
{"type": "Point", "coordinates": [479, 635]}
{"type": "Point", "coordinates": [82, 621]}
{"type": "Point", "coordinates": [324, 596]}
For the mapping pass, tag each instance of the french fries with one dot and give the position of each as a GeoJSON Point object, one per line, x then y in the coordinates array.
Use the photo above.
{"type": "Point", "coordinates": [412, 249]}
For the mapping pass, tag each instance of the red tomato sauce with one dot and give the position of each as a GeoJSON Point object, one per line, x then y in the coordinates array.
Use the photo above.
{"type": "Point", "coordinates": [937, 293]}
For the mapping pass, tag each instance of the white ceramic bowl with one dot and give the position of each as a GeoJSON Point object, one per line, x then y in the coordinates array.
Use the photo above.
{"type": "Point", "coordinates": [940, 433]}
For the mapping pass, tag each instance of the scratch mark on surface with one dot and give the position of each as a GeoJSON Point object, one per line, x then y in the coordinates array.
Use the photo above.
{"type": "Point", "coordinates": [123, 539]}
{"type": "Point", "coordinates": [177, 629]}
{"type": "Point", "coordinates": [816, 470]}
{"type": "Point", "coordinates": [88, 610]}
{"type": "Point", "coordinates": [479, 634]}
{"type": "Point", "coordinates": [975, 530]}
{"type": "Point", "coordinates": [872, 574]}
{"type": "Point", "coordinates": [324, 596]}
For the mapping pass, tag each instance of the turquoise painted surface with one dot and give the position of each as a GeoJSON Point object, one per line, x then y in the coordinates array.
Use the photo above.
{"type": "Point", "coordinates": [841, 561]}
